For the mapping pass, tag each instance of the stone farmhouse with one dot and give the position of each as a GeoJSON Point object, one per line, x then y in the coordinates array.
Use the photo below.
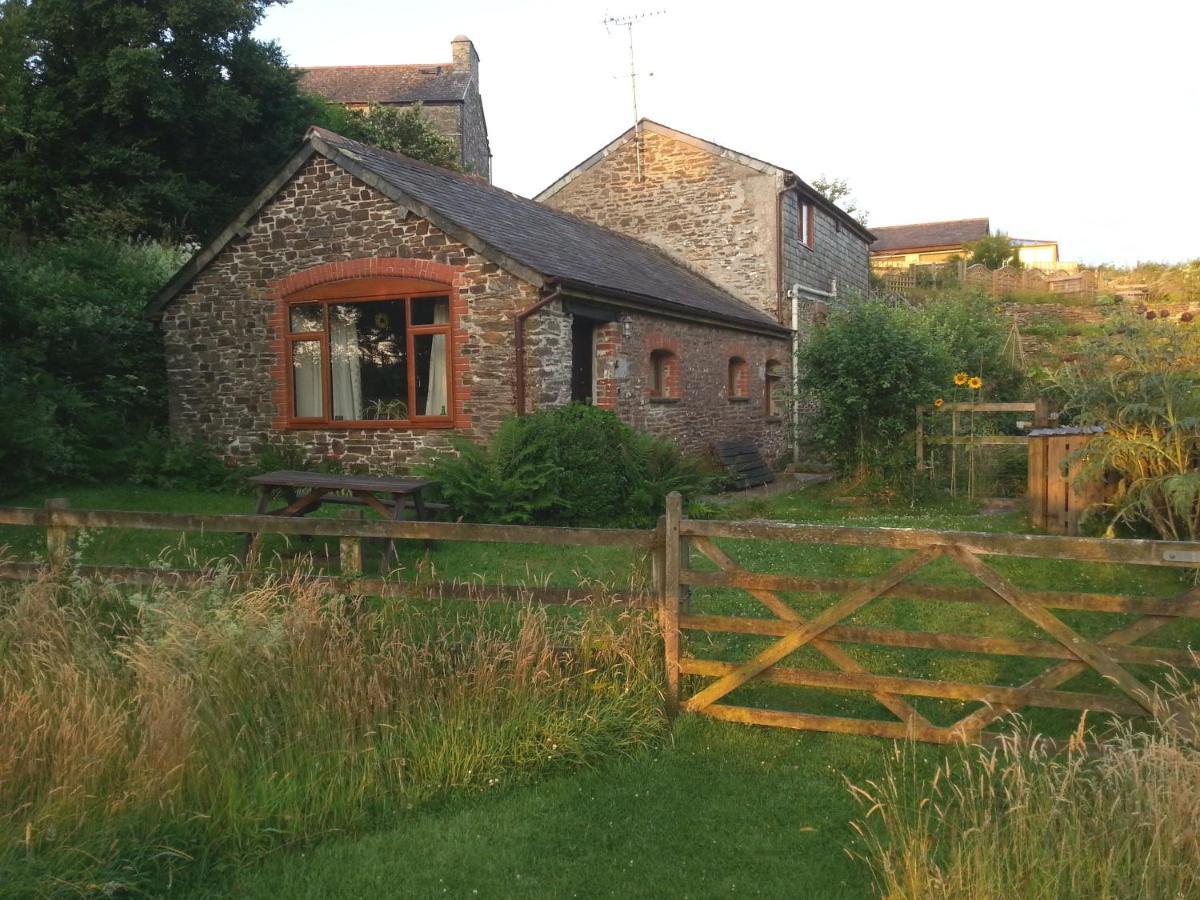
{"type": "Point", "coordinates": [755, 228]}
{"type": "Point", "coordinates": [366, 307]}
{"type": "Point", "coordinates": [448, 93]}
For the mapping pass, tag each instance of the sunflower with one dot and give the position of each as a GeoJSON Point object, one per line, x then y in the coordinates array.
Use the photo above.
{"type": "Point", "coordinates": [937, 404]}
{"type": "Point", "coordinates": [975, 383]}
{"type": "Point", "coordinates": [960, 379]}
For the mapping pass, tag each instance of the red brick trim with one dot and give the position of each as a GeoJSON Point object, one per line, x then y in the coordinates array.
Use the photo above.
{"type": "Point", "coordinates": [370, 267]}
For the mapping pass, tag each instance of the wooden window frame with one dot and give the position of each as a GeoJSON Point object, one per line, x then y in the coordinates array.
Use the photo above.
{"type": "Point", "coordinates": [664, 384]}
{"type": "Point", "coordinates": [806, 222]}
{"type": "Point", "coordinates": [737, 370]}
{"type": "Point", "coordinates": [772, 381]}
{"type": "Point", "coordinates": [367, 291]}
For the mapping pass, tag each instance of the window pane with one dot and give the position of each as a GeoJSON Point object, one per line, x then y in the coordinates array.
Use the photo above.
{"type": "Point", "coordinates": [308, 395]}
{"type": "Point", "coordinates": [432, 371]}
{"type": "Point", "coordinates": [431, 310]}
{"type": "Point", "coordinates": [305, 317]}
{"type": "Point", "coordinates": [367, 356]}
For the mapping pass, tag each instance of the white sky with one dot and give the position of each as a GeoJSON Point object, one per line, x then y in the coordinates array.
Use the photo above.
{"type": "Point", "coordinates": [1078, 121]}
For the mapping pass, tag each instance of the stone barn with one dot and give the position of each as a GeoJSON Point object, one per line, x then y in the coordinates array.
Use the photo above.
{"type": "Point", "coordinates": [366, 307]}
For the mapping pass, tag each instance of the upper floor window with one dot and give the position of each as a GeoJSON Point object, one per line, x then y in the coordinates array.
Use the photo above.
{"type": "Point", "coordinates": [370, 362]}
{"type": "Point", "coordinates": [664, 375]}
{"type": "Point", "coordinates": [806, 220]}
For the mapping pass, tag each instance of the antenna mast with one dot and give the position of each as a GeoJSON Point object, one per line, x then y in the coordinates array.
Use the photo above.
{"type": "Point", "coordinates": [628, 22]}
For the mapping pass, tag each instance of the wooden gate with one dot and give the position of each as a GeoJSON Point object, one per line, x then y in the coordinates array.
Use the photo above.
{"type": "Point", "coordinates": [1110, 651]}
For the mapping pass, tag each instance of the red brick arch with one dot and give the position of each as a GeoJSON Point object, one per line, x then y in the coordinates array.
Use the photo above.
{"type": "Point", "coordinates": [369, 267]}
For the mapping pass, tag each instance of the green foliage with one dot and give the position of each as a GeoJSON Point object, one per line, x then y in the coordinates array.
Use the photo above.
{"type": "Point", "coordinates": [156, 118]}
{"type": "Point", "coordinates": [406, 130]}
{"type": "Point", "coordinates": [839, 192]}
{"type": "Point", "coordinates": [970, 327]}
{"type": "Point", "coordinates": [571, 465]}
{"type": "Point", "coordinates": [868, 368]}
{"type": "Point", "coordinates": [1141, 382]}
{"type": "Point", "coordinates": [994, 251]}
{"type": "Point", "coordinates": [81, 372]}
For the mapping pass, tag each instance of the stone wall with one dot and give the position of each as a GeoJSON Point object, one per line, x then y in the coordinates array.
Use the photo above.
{"type": "Point", "coordinates": [702, 411]}
{"type": "Point", "coordinates": [222, 350]}
{"type": "Point", "coordinates": [837, 252]}
{"type": "Point", "coordinates": [474, 148]}
{"type": "Point", "coordinates": [715, 213]}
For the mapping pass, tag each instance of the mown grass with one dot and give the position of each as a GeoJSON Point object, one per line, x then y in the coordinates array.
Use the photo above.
{"type": "Point", "coordinates": [720, 808]}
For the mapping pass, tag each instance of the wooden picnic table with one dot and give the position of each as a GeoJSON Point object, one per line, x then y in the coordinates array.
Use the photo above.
{"type": "Point", "coordinates": [304, 492]}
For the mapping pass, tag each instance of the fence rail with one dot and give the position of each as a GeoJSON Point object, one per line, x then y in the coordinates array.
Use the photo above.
{"type": "Point", "coordinates": [671, 546]}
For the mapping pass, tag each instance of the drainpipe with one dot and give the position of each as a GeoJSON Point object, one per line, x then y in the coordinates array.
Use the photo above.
{"type": "Point", "coordinates": [519, 339]}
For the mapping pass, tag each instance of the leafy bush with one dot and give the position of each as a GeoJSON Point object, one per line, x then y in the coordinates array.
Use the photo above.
{"type": "Point", "coordinates": [1141, 382]}
{"type": "Point", "coordinates": [218, 722]}
{"type": "Point", "coordinates": [572, 465]}
{"type": "Point", "coordinates": [868, 368]}
{"type": "Point", "coordinates": [81, 371]}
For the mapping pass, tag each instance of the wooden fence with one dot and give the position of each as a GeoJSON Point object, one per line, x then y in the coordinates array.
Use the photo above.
{"type": "Point", "coordinates": [669, 547]}
{"type": "Point", "coordinates": [1081, 285]}
{"type": "Point", "coordinates": [827, 633]}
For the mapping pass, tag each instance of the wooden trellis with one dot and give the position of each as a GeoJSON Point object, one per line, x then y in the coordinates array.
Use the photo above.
{"type": "Point", "coordinates": [828, 634]}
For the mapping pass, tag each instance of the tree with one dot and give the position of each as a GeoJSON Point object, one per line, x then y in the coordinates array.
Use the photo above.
{"type": "Point", "coordinates": [837, 191]}
{"type": "Point", "coordinates": [405, 130]}
{"type": "Point", "coordinates": [154, 118]}
{"type": "Point", "coordinates": [994, 251]}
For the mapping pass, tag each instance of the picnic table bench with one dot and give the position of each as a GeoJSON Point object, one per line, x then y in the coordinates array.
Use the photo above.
{"type": "Point", "coordinates": [304, 492]}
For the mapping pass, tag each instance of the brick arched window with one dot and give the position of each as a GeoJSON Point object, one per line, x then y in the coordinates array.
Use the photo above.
{"type": "Point", "coordinates": [737, 386]}
{"type": "Point", "coordinates": [368, 352]}
{"type": "Point", "coordinates": [773, 389]}
{"type": "Point", "coordinates": [664, 375]}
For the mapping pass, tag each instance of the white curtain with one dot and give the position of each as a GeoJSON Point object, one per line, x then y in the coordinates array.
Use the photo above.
{"type": "Point", "coordinates": [347, 367]}
{"type": "Point", "coordinates": [435, 402]}
{"type": "Point", "coordinates": [306, 379]}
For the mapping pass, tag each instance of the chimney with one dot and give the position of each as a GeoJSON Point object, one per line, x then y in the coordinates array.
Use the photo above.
{"type": "Point", "coordinates": [464, 55]}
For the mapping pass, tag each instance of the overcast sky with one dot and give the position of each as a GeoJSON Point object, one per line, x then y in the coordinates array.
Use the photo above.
{"type": "Point", "coordinates": [1073, 121]}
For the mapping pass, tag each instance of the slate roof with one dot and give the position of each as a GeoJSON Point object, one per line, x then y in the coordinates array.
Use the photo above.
{"type": "Point", "coordinates": [436, 83]}
{"type": "Point", "coordinates": [555, 244]}
{"type": "Point", "coordinates": [955, 233]}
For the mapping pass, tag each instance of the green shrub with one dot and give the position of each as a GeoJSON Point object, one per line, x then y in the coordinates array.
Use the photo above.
{"type": "Point", "coordinates": [571, 465]}
{"type": "Point", "coordinates": [81, 371]}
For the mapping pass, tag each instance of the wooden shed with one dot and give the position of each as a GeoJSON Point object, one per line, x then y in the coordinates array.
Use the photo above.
{"type": "Point", "coordinates": [1056, 501]}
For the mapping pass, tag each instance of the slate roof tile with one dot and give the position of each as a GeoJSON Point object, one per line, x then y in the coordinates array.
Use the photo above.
{"type": "Point", "coordinates": [892, 238]}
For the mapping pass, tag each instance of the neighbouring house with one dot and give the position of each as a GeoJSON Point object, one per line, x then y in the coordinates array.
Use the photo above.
{"type": "Point", "coordinates": [367, 307]}
{"type": "Point", "coordinates": [448, 93]}
{"type": "Point", "coordinates": [935, 243]}
{"type": "Point", "coordinates": [755, 228]}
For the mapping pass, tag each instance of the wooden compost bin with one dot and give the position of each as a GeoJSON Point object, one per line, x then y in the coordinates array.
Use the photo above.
{"type": "Point", "coordinates": [1056, 501]}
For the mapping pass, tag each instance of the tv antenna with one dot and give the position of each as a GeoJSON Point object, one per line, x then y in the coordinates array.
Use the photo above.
{"type": "Point", "coordinates": [627, 22]}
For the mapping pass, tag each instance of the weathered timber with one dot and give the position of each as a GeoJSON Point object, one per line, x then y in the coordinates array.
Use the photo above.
{"type": "Point", "coordinates": [1040, 546]}
{"type": "Point", "coordinates": [1186, 606]}
{"type": "Point", "coordinates": [919, 687]}
{"type": "Point", "coordinates": [669, 606]}
{"type": "Point", "coordinates": [58, 535]}
{"type": "Point", "coordinates": [802, 634]}
{"type": "Point", "coordinates": [957, 643]}
{"type": "Point", "coordinates": [832, 652]}
{"type": "Point", "coordinates": [229, 524]}
{"type": "Point", "coordinates": [837, 724]}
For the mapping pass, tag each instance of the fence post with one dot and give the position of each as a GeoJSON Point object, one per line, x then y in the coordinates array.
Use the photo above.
{"type": "Point", "coordinates": [58, 537]}
{"type": "Point", "coordinates": [350, 557]}
{"type": "Point", "coordinates": [669, 597]}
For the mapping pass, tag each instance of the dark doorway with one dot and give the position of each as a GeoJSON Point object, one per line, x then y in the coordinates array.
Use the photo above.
{"type": "Point", "coordinates": [583, 354]}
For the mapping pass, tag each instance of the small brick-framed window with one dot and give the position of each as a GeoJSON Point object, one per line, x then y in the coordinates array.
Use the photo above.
{"type": "Point", "coordinates": [664, 376]}
{"type": "Point", "coordinates": [805, 222]}
{"type": "Point", "coordinates": [773, 389]}
{"type": "Point", "coordinates": [738, 385]}
{"type": "Point", "coordinates": [370, 353]}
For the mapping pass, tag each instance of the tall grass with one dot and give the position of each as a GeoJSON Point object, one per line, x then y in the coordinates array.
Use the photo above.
{"type": "Point", "coordinates": [148, 738]}
{"type": "Point", "coordinates": [1115, 818]}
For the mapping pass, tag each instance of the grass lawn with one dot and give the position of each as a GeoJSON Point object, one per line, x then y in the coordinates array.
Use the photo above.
{"type": "Point", "coordinates": [720, 809]}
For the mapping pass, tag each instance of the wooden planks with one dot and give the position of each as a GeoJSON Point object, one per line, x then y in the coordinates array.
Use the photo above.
{"type": "Point", "coordinates": [744, 462]}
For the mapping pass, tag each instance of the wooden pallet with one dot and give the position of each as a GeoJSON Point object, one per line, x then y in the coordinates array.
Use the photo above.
{"type": "Point", "coordinates": [744, 462]}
